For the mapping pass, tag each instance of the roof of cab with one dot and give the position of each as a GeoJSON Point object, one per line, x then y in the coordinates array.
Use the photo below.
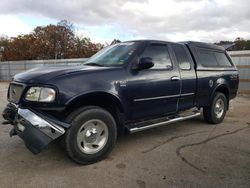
{"type": "Point", "coordinates": [150, 40]}
{"type": "Point", "coordinates": [189, 43]}
{"type": "Point", "coordinates": [203, 45]}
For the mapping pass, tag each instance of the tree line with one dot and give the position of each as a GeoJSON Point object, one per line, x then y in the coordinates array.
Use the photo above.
{"type": "Point", "coordinates": [48, 42]}
{"type": "Point", "coordinates": [237, 44]}
{"type": "Point", "coordinates": [58, 41]}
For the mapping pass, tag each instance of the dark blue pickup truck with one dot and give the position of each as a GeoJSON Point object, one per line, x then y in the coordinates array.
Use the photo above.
{"type": "Point", "coordinates": [130, 86]}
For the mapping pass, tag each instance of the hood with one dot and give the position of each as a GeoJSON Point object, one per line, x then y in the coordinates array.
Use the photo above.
{"type": "Point", "coordinates": [41, 75]}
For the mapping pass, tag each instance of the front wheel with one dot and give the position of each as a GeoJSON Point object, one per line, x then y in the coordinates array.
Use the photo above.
{"type": "Point", "coordinates": [216, 112]}
{"type": "Point", "coordinates": [92, 135]}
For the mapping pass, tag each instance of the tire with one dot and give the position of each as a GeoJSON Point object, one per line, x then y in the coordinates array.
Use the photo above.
{"type": "Point", "coordinates": [92, 135]}
{"type": "Point", "coordinates": [215, 113]}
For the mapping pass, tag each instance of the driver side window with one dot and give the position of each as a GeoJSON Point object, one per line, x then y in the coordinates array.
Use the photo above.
{"type": "Point", "coordinates": [159, 55]}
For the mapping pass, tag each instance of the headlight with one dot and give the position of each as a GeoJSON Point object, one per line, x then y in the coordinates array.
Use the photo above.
{"type": "Point", "coordinates": [40, 94]}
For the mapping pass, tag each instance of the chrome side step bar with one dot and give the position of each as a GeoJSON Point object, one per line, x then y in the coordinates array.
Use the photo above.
{"type": "Point", "coordinates": [177, 119]}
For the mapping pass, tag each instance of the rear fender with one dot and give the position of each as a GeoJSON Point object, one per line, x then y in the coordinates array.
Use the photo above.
{"type": "Point", "coordinates": [223, 87]}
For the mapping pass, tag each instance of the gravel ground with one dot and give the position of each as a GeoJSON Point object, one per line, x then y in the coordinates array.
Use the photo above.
{"type": "Point", "coordinates": [185, 154]}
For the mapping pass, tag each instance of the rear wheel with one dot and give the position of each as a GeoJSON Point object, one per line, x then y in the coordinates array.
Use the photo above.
{"type": "Point", "coordinates": [92, 135]}
{"type": "Point", "coordinates": [216, 112]}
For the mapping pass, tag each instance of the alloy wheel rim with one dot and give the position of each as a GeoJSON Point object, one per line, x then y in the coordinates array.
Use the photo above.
{"type": "Point", "coordinates": [219, 108]}
{"type": "Point", "coordinates": [92, 136]}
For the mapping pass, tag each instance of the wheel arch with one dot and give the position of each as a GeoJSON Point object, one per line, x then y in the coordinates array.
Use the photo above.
{"type": "Point", "coordinates": [108, 101]}
{"type": "Point", "coordinates": [222, 88]}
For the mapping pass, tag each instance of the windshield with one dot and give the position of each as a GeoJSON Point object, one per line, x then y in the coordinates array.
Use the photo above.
{"type": "Point", "coordinates": [114, 55]}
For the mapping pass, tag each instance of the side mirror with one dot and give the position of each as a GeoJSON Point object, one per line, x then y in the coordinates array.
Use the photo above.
{"type": "Point", "coordinates": [144, 63]}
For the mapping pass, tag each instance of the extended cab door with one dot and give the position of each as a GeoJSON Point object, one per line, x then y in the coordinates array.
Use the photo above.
{"type": "Point", "coordinates": [188, 76]}
{"type": "Point", "coordinates": [154, 91]}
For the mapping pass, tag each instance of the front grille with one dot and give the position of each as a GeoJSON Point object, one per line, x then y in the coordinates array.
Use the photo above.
{"type": "Point", "coordinates": [15, 92]}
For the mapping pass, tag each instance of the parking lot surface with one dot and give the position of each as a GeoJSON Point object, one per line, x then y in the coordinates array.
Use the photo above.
{"type": "Point", "coordinates": [186, 154]}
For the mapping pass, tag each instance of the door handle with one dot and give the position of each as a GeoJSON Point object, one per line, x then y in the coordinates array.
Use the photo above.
{"type": "Point", "coordinates": [175, 78]}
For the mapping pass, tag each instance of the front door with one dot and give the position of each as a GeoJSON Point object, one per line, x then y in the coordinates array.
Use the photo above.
{"type": "Point", "coordinates": [154, 91]}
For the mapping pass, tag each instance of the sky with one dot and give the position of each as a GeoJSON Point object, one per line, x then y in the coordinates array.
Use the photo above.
{"type": "Point", "coordinates": [105, 20]}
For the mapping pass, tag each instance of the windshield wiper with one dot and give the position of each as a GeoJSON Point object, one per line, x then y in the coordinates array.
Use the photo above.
{"type": "Point", "coordinates": [94, 64]}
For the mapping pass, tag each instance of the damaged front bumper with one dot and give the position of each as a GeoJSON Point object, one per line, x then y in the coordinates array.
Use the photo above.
{"type": "Point", "coordinates": [37, 130]}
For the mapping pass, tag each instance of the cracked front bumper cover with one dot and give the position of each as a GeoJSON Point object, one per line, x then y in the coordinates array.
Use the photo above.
{"type": "Point", "coordinates": [33, 128]}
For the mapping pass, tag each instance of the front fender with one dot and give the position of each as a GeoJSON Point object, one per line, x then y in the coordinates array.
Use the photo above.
{"type": "Point", "coordinates": [98, 94]}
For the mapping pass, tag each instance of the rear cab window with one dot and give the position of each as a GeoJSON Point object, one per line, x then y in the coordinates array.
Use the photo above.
{"type": "Point", "coordinates": [182, 57]}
